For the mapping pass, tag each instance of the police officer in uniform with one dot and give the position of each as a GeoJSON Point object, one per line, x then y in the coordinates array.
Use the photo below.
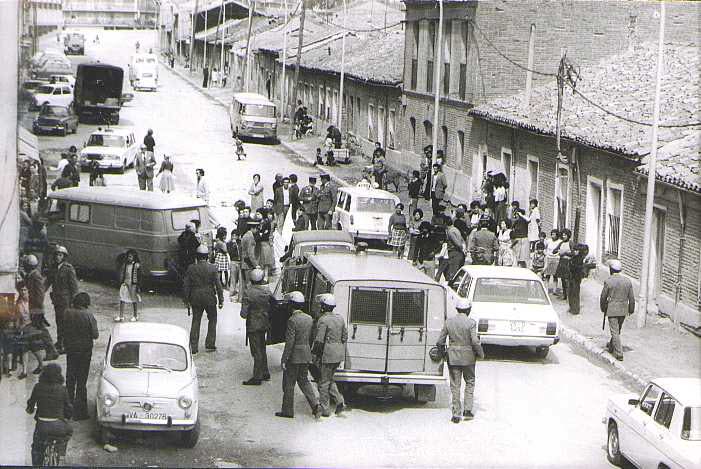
{"type": "Point", "coordinates": [617, 301]}
{"type": "Point", "coordinates": [37, 292]}
{"type": "Point", "coordinates": [64, 286]}
{"type": "Point", "coordinates": [464, 347]}
{"type": "Point", "coordinates": [330, 344]}
{"type": "Point", "coordinates": [255, 308]}
{"type": "Point", "coordinates": [309, 196]}
{"type": "Point", "coordinates": [202, 291]}
{"type": "Point", "coordinates": [296, 358]}
{"type": "Point", "coordinates": [326, 199]}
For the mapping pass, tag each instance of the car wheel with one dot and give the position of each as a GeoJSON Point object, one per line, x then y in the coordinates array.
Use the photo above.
{"type": "Point", "coordinates": [613, 450]}
{"type": "Point", "coordinates": [189, 438]}
{"type": "Point", "coordinates": [542, 352]}
{"type": "Point", "coordinates": [64, 132]}
{"type": "Point", "coordinates": [348, 390]}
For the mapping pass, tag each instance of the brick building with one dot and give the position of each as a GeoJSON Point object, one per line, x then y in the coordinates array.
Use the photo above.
{"type": "Point", "coordinates": [479, 39]}
{"type": "Point", "coordinates": [599, 190]}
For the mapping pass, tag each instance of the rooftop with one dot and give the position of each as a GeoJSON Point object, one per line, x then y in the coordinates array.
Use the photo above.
{"type": "Point", "coordinates": [126, 198]}
{"type": "Point", "coordinates": [624, 84]}
{"type": "Point", "coordinates": [368, 267]}
{"type": "Point", "coordinates": [150, 332]}
{"type": "Point", "coordinates": [321, 236]}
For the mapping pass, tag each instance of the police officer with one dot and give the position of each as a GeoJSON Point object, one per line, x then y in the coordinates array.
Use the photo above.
{"type": "Point", "coordinates": [326, 199]}
{"type": "Point", "coordinates": [37, 292]}
{"type": "Point", "coordinates": [64, 286]}
{"type": "Point", "coordinates": [203, 292]}
{"type": "Point", "coordinates": [617, 301]}
{"type": "Point", "coordinates": [330, 344]}
{"type": "Point", "coordinates": [464, 346]}
{"type": "Point", "coordinates": [296, 358]}
{"type": "Point", "coordinates": [309, 196]}
{"type": "Point", "coordinates": [255, 308]}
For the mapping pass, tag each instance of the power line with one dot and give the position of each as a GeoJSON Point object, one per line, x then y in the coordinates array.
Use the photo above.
{"type": "Point", "coordinates": [370, 30]}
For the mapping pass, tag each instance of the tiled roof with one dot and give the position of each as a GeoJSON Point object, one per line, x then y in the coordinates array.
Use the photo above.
{"type": "Point", "coordinates": [377, 59]}
{"type": "Point", "coordinates": [272, 40]}
{"type": "Point", "coordinates": [624, 84]}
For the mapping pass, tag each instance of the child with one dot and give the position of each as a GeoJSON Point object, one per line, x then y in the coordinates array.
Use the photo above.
{"type": "Point", "coordinates": [319, 159]}
{"type": "Point", "coordinates": [99, 180]}
{"type": "Point", "coordinates": [129, 276]}
{"type": "Point", "coordinates": [221, 256]}
{"type": "Point", "coordinates": [239, 147]}
{"type": "Point", "coordinates": [538, 258]}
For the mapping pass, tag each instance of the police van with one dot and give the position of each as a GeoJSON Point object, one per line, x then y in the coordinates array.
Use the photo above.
{"type": "Point", "coordinates": [394, 314]}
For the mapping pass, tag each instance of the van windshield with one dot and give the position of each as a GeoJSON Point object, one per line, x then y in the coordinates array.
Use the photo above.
{"type": "Point", "coordinates": [258, 110]}
{"type": "Point", "coordinates": [371, 204]}
{"type": "Point", "coordinates": [98, 140]}
{"type": "Point", "coordinates": [509, 290]}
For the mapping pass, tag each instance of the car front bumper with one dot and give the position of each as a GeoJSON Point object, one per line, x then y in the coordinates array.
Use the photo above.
{"type": "Point", "coordinates": [38, 128]}
{"type": "Point", "coordinates": [148, 425]}
{"type": "Point", "coordinates": [258, 132]}
{"type": "Point", "coordinates": [102, 164]}
{"type": "Point", "coordinates": [518, 340]}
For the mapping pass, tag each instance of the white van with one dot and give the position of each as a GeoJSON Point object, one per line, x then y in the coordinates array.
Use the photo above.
{"type": "Point", "coordinates": [143, 72]}
{"type": "Point", "coordinates": [394, 315]}
{"type": "Point", "coordinates": [253, 115]}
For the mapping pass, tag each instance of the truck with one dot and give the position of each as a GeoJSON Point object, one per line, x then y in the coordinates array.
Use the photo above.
{"type": "Point", "coordinates": [98, 92]}
{"type": "Point", "coordinates": [74, 44]}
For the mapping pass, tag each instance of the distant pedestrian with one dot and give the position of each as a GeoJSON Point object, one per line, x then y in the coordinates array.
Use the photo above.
{"type": "Point", "coordinates": [309, 196]}
{"type": "Point", "coordinates": [294, 196]}
{"type": "Point", "coordinates": [233, 248]}
{"type": "Point", "coordinates": [267, 260]}
{"type": "Point", "coordinates": [464, 347]}
{"type": "Point", "coordinates": [37, 294]}
{"type": "Point", "coordinates": [552, 258]}
{"type": "Point", "coordinates": [205, 77]}
{"type": "Point", "coordinates": [80, 332]}
{"type": "Point", "coordinates": [500, 185]}
{"type": "Point", "coordinates": [414, 191]}
{"type": "Point", "coordinates": [417, 218]}
{"type": "Point", "coordinates": [563, 264]}
{"type": "Point", "coordinates": [140, 167]}
{"type": "Point", "coordinates": [250, 254]}
{"type": "Point", "coordinates": [256, 193]}
{"type": "Point", "coordinates": [64, 286]}
{"type": "Point", "coordinates": [238, 144]}
{"type": "Point", "coordinates": [73, 170]}
{"type": "Point", "coordinates": [506, 253]}
{"type": "Point", "coordinates": [129, 285]}
{"type": "Point", "coordinates": [149, 141]}
{"type": "Point", "coordinates": [167, 181]}
{"type": "Point", "coordinates": [215, 77]}
{"type": "Point", "coordinates": [617, 301]}
{"type": "Point", "coordinates": [533, 223]}
{"type": "Point", "coordinates": [202, 189]}
{"type": "Point", "coordinates": [538, 258]}
{"type": "Point", "coordinates": [330, 346]}
{"type": "Point", "coordinates": [439, 185]}
{"type": "Point", "coordinates": [519, 234]}
{"type": "Point", "coordinates": [302, 221]}
{"type": "Point", "coordinates": [579, 269]}
{"type": "Point", "coordinates": [255, 309]}
{"type": "Point", "coordinates": [296, 358]}
{"type": "Point", "coordinates": [202, 291]}
{"type": "Point", "coordinates": [483, 244]}
{"type": "Point", "coordinates": [187, 247]}
{"type": "Point", "coordinates": [62, 182]}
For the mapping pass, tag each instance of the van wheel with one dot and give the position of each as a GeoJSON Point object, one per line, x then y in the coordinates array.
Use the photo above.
{"type": "Point", "coordinates": [424, 393]}
{"type": "Point", "coordinates": [189, 438]}
{"type": "Point", "coordinates": [348, 390]}
{"type": "Point", "coordinates": [613, 450]}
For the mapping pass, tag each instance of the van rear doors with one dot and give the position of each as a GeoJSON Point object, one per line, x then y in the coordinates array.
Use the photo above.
{"type": "Point", "coordinates": [386, 329]}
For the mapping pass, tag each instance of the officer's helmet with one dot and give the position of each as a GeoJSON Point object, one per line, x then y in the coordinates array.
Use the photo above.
{"type": "Point", "coordinates": [296, 298]}
{"type": "Point", "coordinates": [257, 275]}
{"type": "Point", "coordinates": [31, 260]}
{"type": "Point", "coordinates": [463, 305]}
{"type": "Point", "coordinates": [202, 250]}
{"type": "Point", "coordinates": [327, 301]}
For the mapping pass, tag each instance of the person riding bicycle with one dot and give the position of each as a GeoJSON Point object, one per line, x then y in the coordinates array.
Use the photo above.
{"type": "Point", "coordinates": [50, 399]}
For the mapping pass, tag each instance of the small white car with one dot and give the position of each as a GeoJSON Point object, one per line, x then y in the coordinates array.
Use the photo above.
{"type": "Point", "coordinates": [57, 94]}
{"type": "Point", "coordinates": [364, 212]}
{"type": "Point", "coordinates": [661, 428]}
{"type": "Point", "coordinates": [63, 80]}
{"type": "Point", "coordinates": [112, 148]}
{"type": "Point", "coordinates": [510, 305]}
{"type": "Point", "coordinates": [148, 382]}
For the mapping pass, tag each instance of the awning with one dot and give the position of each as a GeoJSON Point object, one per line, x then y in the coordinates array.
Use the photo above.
{"type": "Point", "coordinates": [27, 144]}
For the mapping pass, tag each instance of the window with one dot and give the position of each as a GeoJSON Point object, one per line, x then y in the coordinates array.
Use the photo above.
{"type": "Point", "coordinates": [444, 136]}
{"type": "Point", "coordinates": [691, 424]}
{"type": "Point", "coordinates": [103, 216]}
{"type": "Point", "coordinates": [614, 212]}
{"type": "Point", "coordinates": [390, 129]}
{"type": "Point", "coordinates": [447, 33]}
{"type": "Point", "coordinates": [408, 308]}
{"type": "Point", "coordinates": [79, 213]}
{"type": "Point", "coordinates": [152, 221]}
{"type": "Point", "coordinates": [414, 73]}
{"type": "Point", "coordinates": [181, 217]}
{"type": "Point", "coordinates": [665, 410]}
{"type": "Point", "coordinates": [348, 203]}
{"type": "Point", "coordinates": [428, 132]}
{"type": "Point", "coordinates": [127, 218]}
{"type": "Point", "coordinates": [412, 123]}
{"type": "Point", "coordinates": [372, 204]}
{"type": "Point", "coordinates": [429, 76]}
{"type": "Point", "coordinates": [533, 167]}
{"type": "Point", "coordinates": [465, 286]}
{"type": "Point", "coordinates": [504, 290]}
{"type": "Point", "coordinates": [371, 123]}
{"type": "Point", "coordinates": [460, 149]}
{"type": "Point", "coordinates": [381, 125]}
{"type": "Point", "coordinates": [320, 109]}
{"type": "Point", "coordinates": [463, 80]}
{"type": "Point", "coordinates": [341, 199]}
{"type": "Point", "coordinates": [415, 55]}
{"type": "Point", "coordinates": [149, 355]}
{"type": "Point", "coordinates": [258, 110]}
{"type": "Point", "coordinates": [506, 157]}
{"type": "Point", "coordinates": [647, 403]}
{"type": "Point", "coordinates": [368, 306]}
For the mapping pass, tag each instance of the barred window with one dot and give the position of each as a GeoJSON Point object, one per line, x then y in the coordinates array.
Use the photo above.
{"type": "Point", "coordinates": [408, 308]}
{"type": "Point", "coordinates": [368, 306]}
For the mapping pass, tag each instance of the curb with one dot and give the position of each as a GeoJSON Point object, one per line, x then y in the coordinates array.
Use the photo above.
{"type": "Point", "coordinates": [599, 354]}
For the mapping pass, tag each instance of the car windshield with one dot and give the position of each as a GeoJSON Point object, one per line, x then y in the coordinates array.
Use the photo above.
{"type": "Point", "coordinates": [372, 204]}
{"type": "Point", "coordinates": [55, 111]}
{"type": "Point", "coordinates": [45, 89]}
{"type": "Point", "coordinates": [149, 355]}
{"type": "Point", "coordinates": [691, 426]}
{"type": "Point", "coordinates": [507, 290]}
{"type": "Point", "coordinates": [259, 110]}
{"type": "Point", "coordinates": [99, 140]}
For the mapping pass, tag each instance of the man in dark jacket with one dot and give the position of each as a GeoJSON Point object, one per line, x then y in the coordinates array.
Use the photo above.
{"type": "Point", "coordinates": [326, 197]}
{"type": "Point", "coordinates": [80, 330]}
{"type": "Point", "coordinates": [250, 255]}
{"type": "Point", "coordinates": [255, 309]}
{"type": "Point", "coordinates": [296, 358]}
{"type": "Point", "coordinates": [302, 220]}
{"type": "Point", "coordinates": [309, 195]}
{"type": "Point", "coordinates": [37, 292]}
{"type": "Point", "coordinates": [617, 301]}
{"type": "Point", "coordinates": [187, 245]}
{"type": "Point", "coordinates": [203, 291]}
{"type": "Point", "coordinates": [464, 347]}
{"type": "Point", "coordinates": [294, 196]}
{"type": "Point", "coordinates": [64, 286]}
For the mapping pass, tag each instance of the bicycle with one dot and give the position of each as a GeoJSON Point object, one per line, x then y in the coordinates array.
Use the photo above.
{"type": "Point", "coordinates": [54, 451]}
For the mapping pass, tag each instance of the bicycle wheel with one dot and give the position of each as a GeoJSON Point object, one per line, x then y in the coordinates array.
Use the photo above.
{"type": "Point", "coordinates": [51, 454]}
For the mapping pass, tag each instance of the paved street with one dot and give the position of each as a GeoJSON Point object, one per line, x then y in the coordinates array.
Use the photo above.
{"type": "Point", "coordinates": [546, 412]}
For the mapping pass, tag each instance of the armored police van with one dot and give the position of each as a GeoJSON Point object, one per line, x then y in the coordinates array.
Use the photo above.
{"type": "Point", "coordinates": [394, 315]}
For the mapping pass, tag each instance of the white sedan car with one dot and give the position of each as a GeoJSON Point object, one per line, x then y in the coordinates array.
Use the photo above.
{"type": "Point", "coordinates": [509, 304]}
{"type": "Point", "coordinates": [53, 94]}
{"type": "Point", "coordinates": [661, 428]}
{"type": "Point", "coordinates": [364, 212]}
{"type": "Point", "coordinates": [148, 382]}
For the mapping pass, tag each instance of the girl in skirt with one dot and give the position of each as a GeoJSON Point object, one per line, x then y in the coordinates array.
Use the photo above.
{"type": "Point", "coordinates": [563, 265]}
{"type": "Point", "coordinates": [167, 183]}
{"type": "Point", "coordinates": [129, 276]}
{"type": "Point", "coordinates": [397, 231]}
{"type": "Point", "coordinates": [221, 257]}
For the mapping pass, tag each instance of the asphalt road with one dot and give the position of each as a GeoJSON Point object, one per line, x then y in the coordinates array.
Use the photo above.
{"type": "Point", "coordinates": [529, 412]}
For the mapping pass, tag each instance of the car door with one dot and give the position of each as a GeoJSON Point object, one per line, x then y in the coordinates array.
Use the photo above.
{"type": "Point", "coordinates": [66, 95]}
{"type": "Point", "coordinates": [668, 416]}
{"type": "Point", "coordinates": [339, 208]}
{"type": "Point", "coordinates": [293, 278]}
{"type": "Point", "coordinates": [406, 334]}
{"type": "Point", "coordinates": [57, 97]}
{"type": "Point", "coordinates": [636, 443]}
{"type": "Point", "coordinates": [368, 331]}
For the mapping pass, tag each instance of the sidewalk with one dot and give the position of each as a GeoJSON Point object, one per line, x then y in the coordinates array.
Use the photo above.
{"type": "Point", "coordinates": [654, 351]}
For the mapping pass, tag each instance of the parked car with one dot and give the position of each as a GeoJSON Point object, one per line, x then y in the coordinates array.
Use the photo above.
{"type": "Point", "coordinates": [59, 119]}
{"type": "Point", "coordinates": [509, 304]}
{"type": "Point", "coordinates": [253, 115]}
{"type": "Point", "coordinates": [364, 212]}
{"type": "Point", "coordinates": [148, 382]}
{"type": "Point", "coordinates": [29, 87]}
{"type": "Point", "coordinates": [40, 57]}
{"type": "Point", "coordinates": [112, 148]}
{"type": "Point", "coordinates": [53, 95]}
{"type": "Point", "coordinates": [660, 428]}
{"type": "Point", "coordinates": [74, 43]}
{"type": "Point", "coordinates": [53, 66]}
{"type": "Point", "coordinates": [63, 80]}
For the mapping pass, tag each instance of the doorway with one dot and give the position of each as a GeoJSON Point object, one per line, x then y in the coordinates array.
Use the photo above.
{"type": "Point", "coordinates": [593, 220]}
{"type": "Point", "coordinates": [659, 216]}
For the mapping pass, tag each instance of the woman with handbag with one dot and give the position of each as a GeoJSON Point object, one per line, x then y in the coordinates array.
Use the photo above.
{"type": "Point", "coordinates": [130, 285]}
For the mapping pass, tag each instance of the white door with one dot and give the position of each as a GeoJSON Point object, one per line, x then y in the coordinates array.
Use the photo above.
{"type": "Point", "coordinates": [656, 252]}
{"type": "Point", "coordinates": [593, 228]}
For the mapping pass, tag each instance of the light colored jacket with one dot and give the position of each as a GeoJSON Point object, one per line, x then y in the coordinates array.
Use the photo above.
{"type": "Point", "coordinates": [441, 185]}
{"type": "Point", "coordinates": [617, 296]}
{"type": "Point", "coordinates": [298, 338]}
{"type": "Point", "coordinates": [331, 331]}
{"type": "Point", "coordinates": [464, 343]}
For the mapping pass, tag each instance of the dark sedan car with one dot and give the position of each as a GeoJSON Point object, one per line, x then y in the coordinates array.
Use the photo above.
{"type": "Point", "coordinates": [59, 119]}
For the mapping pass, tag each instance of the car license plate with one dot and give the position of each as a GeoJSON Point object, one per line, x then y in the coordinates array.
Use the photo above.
{"type": "Point", "coordinates": [147, 416]}
{"type": "Point", "coordinates": [517, 326]}
{"type": "Point", "coordinates": [258, 135]}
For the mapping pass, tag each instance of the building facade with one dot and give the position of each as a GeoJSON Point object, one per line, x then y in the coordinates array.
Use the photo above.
{"type": "Point", "coordinates": [110, 13]}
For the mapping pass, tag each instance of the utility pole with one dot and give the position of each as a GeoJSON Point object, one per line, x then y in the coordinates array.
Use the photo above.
{"type": "Point", "coordinates": [437, 81]}
{"type": "Point", "coordinates": [343, 69]}
{"type": "Point", "coordinates": [299, 51]}
{"type": "Point", "coordinates": [204, 51]}
{"type": "Point", "coordinates": [192, 37]}
{"type": "Point", "coordinates": [221, 60]}
{"type": "Point", "coordinates": [246, 76]}
{"type": "Point", "coordinates": [157, 45]}
{"type": "Point", "coordinates": [284, 65]}
{"type": "Point", "coordinates": [651, 176]}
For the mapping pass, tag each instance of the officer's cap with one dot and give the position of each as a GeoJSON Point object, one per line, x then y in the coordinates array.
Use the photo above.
{"type": "Point", "coordinates": [463, 304]}
{"type": "Point", "coordinates": [615, 265]}
{"type": "Point", "coordinates": [202, 249]}
{"type": "Point", "coordinates": [328, 300]}
{"type": "Point", "coordinates": [295, 297]}
{"type": "Point", "coordinates": [257, 275]}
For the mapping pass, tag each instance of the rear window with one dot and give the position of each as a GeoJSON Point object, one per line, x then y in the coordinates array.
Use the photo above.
{"type": "Point", "coordinates": [79, 213]}
{"type": "Point", "coordinates": [258, 110]}
{"type": "Point", "coordinates": [368, 306]}
{"type": "Point", "coordinates": [408, 308]}
{"type": "Point", "coordinates": [45, 89]}
{"type": "Point", "coordinates": [371, 204]}
{"type": "Point", "coordinates": [182, 217]}
{"type": "Point", "coordinates": [506, 290]}
{"type": "Point", "coordinates": [153, 355]}
{"type": "Point", "coordinates": [99, 140]}
{"type": "Point", "coordinates": [323, 248]}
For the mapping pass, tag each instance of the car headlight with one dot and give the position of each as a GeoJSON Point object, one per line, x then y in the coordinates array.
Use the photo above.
{"type": "Point", "coordinates": [184, 402]}
{"type": "Point", "coordinates": [274, 125]}
{"type": "Point", "coordinates": [109, 399]}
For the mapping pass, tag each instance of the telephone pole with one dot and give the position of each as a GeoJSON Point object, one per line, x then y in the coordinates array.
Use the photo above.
{"type": "Point", "coordinates": [284, 65]}
{"type": "Point", "coordinates": [437, 81]}
{"type": "Point", "coordinates": [299, 52]}
{"type": "Point", "coordinates": [192, 37]}
{"type": "Point", "coordinates": [246, 76]}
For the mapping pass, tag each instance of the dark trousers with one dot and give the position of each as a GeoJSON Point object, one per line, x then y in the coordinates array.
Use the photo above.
{"type": "Point", "coordinates": [443, 267]}
{"type": "Point", "coordinates": [256, 342]}
{"type": "Point", "coordinates": [456, 259]}
{"type": "Point", "coordinates": [296, 374]}
{"type": "Point", "coordinates": [435, 202]}
{"type": "Point", "coordinates": [60, 311]}
{"type": "Point", "coordinates": [294, 212]}
{"type": "Point", "coordinates": [38, 323]}
{"type": "Point", "coordinates": [312, 221]}
{"type": "Point", "coordinates": [328, 388]}
{"type": "Point", "coordinates": [324, 221]}
{"type": "Point", "coordinates": [565, 287]}
{"type": "Point", "coordinates": [43, 432]}
{"type": "Point", "coordinates": [211, 338]}
{"type": "Point", "coordinates": [77, 371]}
{"type": "Point", "coordinates": [573, 295]}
